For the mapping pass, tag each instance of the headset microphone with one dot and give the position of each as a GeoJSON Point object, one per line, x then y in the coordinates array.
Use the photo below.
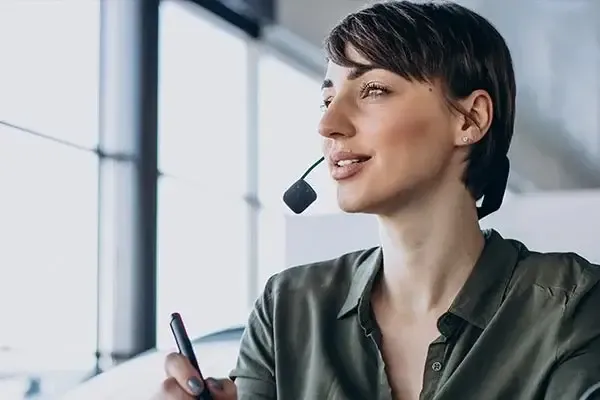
{"type": "Point", "coordinates": [301, 195]}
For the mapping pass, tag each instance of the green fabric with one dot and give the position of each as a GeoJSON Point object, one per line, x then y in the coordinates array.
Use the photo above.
{"type": "Point", "coordinates": [525, 326]}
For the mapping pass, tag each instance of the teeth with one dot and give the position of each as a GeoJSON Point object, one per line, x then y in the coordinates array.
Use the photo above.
{"type": "Point", "coordinates": [343, 163]}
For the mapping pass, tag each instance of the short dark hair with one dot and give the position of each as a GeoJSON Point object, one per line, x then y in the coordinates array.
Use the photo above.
{"type": "Point", "coordinates": [443, 41]}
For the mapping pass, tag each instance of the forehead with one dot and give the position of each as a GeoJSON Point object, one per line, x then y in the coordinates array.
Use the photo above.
{"type": "Point", "coordinates": [336, 73]}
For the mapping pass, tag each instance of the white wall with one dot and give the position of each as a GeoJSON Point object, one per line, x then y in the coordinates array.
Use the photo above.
{"type": "Point", "coordinates": [568, 221]}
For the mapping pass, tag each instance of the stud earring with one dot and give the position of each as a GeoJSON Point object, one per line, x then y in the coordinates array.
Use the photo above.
{"type": "Point", "coordinates": [466, 139]}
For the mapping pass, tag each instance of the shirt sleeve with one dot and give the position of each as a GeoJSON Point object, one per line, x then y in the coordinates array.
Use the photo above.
{"type": "Point", "coordinates": [254, 374]}
{"type": "Point", "coordinates": [578, 367]}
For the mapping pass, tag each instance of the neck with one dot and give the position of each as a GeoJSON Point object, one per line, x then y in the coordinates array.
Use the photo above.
{"type": "Point", "coordinates": [429, 252]}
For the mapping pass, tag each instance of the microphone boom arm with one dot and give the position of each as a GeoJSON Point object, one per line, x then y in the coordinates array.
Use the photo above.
{"type": "Point", "coordinates": [309, 170]}
{"type": "Point", "coordinates": [301, 195]}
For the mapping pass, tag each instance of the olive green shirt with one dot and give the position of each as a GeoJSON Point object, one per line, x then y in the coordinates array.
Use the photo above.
{"type": "Point", "coordinates": [525, 326]}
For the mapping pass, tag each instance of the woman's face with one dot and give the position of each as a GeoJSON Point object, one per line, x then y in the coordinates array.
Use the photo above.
{"type": "Point", "coordinates": [396, 139]}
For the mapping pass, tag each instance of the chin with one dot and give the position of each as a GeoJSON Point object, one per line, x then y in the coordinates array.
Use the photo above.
{"type": "Point", "coordinates": [371, 201]}
{"type": "Point", "coordinates": [357, 204]}
{"type": "Point", "coordinates": [350, 208]}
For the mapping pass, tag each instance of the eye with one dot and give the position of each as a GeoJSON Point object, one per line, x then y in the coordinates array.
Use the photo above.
{"type": "Point", "coordinates": [373, 89]}
{"type": "Point", "coordinates": [325, 104]}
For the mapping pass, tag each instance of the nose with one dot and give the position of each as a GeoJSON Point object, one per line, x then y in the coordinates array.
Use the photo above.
{"type": "Point", "coordinates": [335, 122]}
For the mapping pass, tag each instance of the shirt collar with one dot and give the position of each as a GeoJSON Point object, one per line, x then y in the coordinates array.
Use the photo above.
{"type": "Point", "coordinates": [478, 300]}
{"type": "Point", "coordinates": [366, 268]}
{"type": "Point", "coordinates": [485, 289]}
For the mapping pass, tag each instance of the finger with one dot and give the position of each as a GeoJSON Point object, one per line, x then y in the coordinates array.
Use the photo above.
{"type": "Point", "coordinates": [222, 389]}
{"type": "Point", "coordinates": [179, 367]}
{"type": "Point", "coordinates": [171, 390]}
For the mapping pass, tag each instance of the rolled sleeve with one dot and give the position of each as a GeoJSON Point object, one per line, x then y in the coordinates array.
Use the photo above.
{"type": "Point", "coordinates": [254, 374]}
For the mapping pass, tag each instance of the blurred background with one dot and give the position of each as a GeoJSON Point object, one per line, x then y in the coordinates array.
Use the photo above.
{"type": "Point", "coordinates": [145, 146]}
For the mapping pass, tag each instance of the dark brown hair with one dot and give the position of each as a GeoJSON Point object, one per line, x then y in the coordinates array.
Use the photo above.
{"type": "Point", "coordinates": [439, 41]}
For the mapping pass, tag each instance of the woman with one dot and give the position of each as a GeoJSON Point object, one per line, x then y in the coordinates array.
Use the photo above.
{"type": "Point", "coordinates": [419, 104]}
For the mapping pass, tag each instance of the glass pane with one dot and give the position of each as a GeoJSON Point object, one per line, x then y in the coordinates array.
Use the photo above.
{"type": "Point", "coordinates": [50, 67]}
{"type": "Point", "coordinates": [48, 262]}
{"type": "Point", "coordinates": [202, 99]}
{"type": "Point", "coordinates": [289, 103]}
{"type": "Point", "coordinates": [202, 259]}
{"type": "Point", "coordinates": [271, 245]}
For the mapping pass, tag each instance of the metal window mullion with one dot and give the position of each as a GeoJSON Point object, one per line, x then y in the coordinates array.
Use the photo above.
{"type": "Point", "coordinates": [127, 179]}
{"type": "Point", "coordinates": [252, 169]}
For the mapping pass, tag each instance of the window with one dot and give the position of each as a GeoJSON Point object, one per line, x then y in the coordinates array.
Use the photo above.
{"type": "Point", "coordinates": [289, 103]}
{"type": "Point", "coordinates": [50, 67]}
{"type": "Point", "coordinates": [203, 217]}
{"type": "Point", "coordinates": [202, 259]}
{"type": "Point", "coordinates": [271, 245]}
{"type": "Point", "coordinates": [202, 99]}
{"type": "Point", "coordinates": [48, 231]}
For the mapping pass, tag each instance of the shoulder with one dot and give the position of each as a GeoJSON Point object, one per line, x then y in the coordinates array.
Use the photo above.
{"type": "Point", "coordinates": [566, 283]}
{"type": "Point", "coordinates": [568, 274]}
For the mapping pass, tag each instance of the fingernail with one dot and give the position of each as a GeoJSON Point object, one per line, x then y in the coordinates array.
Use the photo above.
{"type": "Point", "coordinates": [214, 384]}
{"type": "Point", "coordinates": [195, 385]}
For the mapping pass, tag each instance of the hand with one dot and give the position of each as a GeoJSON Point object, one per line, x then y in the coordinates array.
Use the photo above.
{"type": "Point", "coordinates": [184, 383]}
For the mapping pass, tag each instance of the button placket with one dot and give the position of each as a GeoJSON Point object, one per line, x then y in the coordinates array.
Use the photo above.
{"type": "Point", "coordinates": [436, 366]}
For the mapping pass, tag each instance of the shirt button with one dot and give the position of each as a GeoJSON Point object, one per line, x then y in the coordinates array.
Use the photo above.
{"type": "Point", "coordinates": [436, 366]}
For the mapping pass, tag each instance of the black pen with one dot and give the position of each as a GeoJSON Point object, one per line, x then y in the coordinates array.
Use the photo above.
{"type": "Point", "coordinates": [184, 345]}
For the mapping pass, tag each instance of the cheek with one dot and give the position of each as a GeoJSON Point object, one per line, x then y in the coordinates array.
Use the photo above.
{"type": "Point", "coordinates": [411, 149]}
{"type": "Point", "coordinates": [411, 134]}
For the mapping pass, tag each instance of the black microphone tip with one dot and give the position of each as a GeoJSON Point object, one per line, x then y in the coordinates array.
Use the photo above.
{"type": "Point", "coordinates": [299, 196]}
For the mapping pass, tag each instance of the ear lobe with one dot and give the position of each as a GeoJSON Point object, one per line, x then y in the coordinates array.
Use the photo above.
{"type": "Point", "coordinates": [469, 132]}
{"type": "Point", "coordinates": [477, 117]}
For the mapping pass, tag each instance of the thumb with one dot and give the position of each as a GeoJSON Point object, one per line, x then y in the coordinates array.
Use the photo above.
{"type": "Point", "coordinates": [222, 389]}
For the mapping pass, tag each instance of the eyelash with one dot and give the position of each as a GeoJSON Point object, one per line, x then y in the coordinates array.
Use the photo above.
{"type": "Point", "coordinates": [365, 91]}
{"type": "Point", "coordinates": [368, 87]}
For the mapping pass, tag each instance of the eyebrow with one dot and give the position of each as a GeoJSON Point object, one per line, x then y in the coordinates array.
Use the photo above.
{"type": "Point", "coordinates": [355, 73]}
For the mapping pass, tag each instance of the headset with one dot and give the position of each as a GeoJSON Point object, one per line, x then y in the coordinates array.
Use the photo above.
{"type": "Point", "coordinates": [301, 195]}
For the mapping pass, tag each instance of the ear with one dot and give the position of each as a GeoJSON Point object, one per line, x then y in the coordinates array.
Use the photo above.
{"type": "Point", "coordinates": [480, 110]}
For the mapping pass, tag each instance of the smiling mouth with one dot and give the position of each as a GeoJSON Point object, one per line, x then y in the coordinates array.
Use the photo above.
{"type": "Point", "coordinates": [343, 163]}
{"type": "Point", "coordinates": [345, 169]}
{"type": "Point", "coordinates": [358, 159]}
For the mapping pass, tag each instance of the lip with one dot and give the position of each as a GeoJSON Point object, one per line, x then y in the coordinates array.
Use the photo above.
{"type": "Point", "coordinates": [337, 156]}
{"type": "Point", "coordinates": [339, 173]}
{"type": "Point", "coordinates": [347, 171]}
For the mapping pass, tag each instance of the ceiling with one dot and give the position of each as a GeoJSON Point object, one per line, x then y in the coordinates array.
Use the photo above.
{"type": "Point", "coordinates": [556, 51]}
